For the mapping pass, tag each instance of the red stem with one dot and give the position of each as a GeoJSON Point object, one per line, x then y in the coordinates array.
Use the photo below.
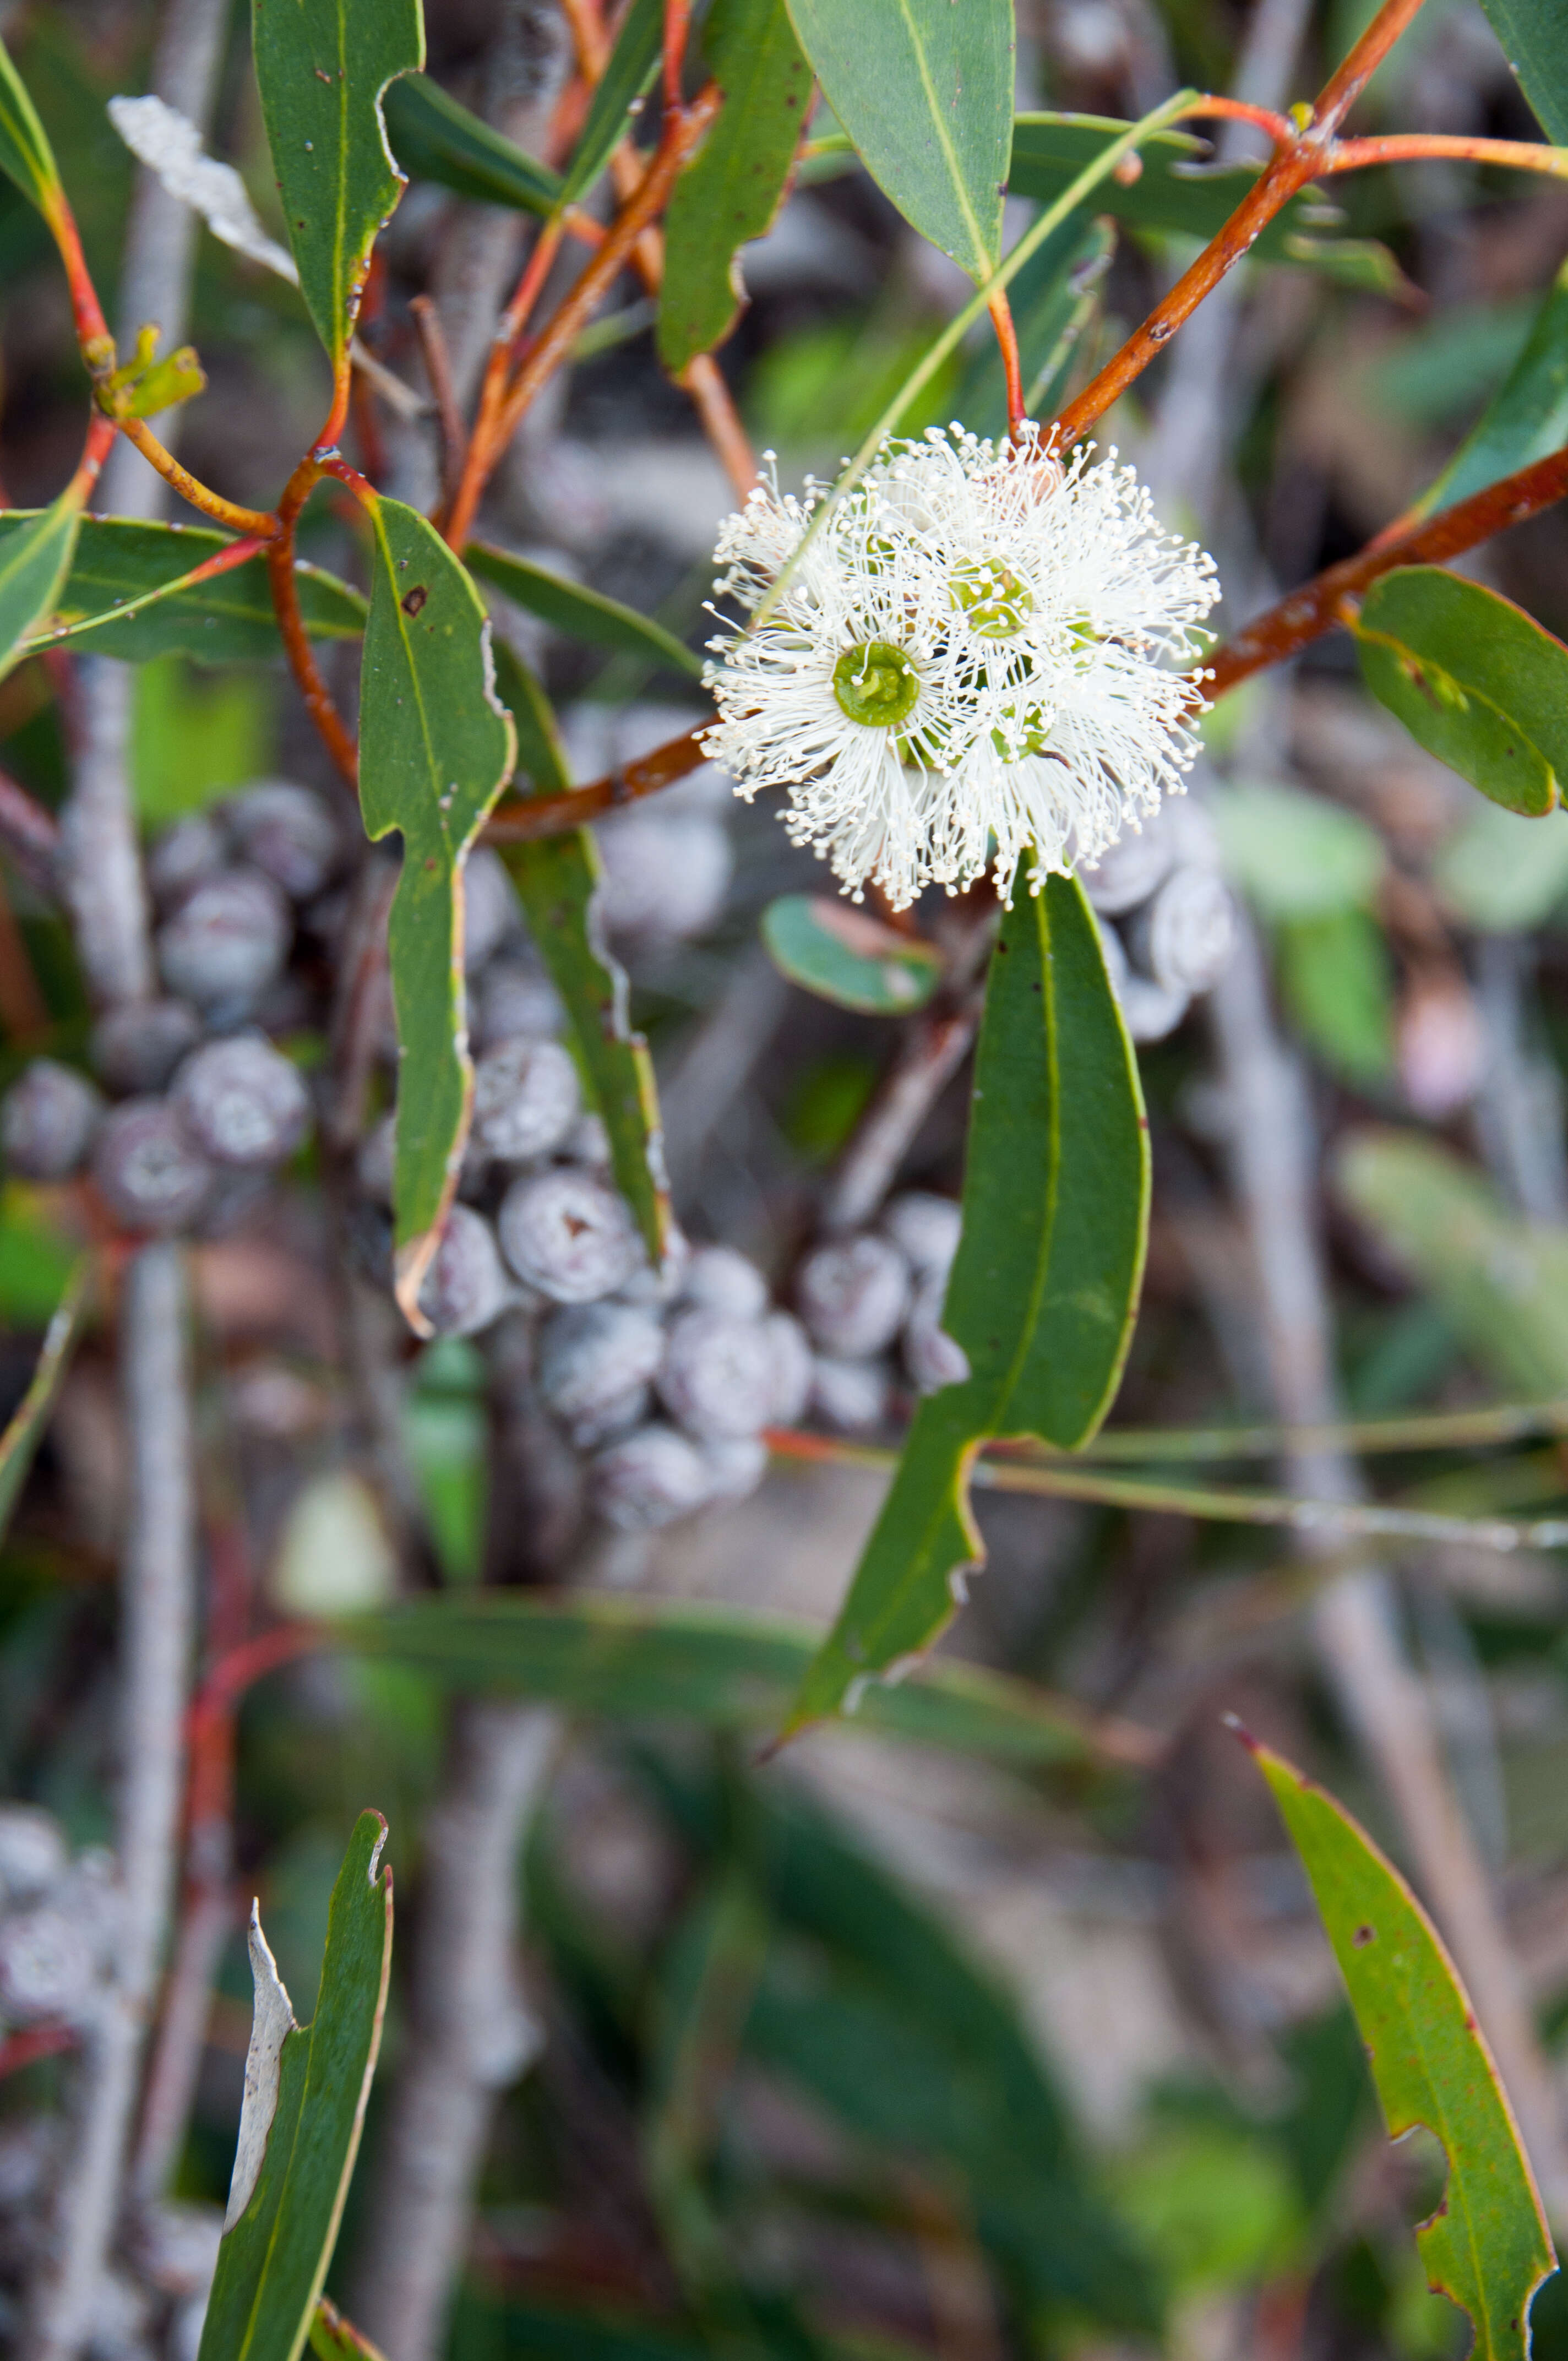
{"type": "Point", "coordinates": [1012, 368]}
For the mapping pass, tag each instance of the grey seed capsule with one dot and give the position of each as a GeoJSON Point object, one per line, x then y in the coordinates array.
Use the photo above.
{"type": "Point", "coordinates": [718, 1278]}
{"type": "Point", "coordinates": [375, 1163]}
{"type": "Point", "coordinates": [525, 1099]}
{"type": "Point", "coordinates": [665, 874]}
{"type": "Point", "coordinates": [930, 1354]}
{"type": "Point", "coordinates": [587, 1142]}
{"type": "Point", "coordinates": [47, 1121]}
{"type": "Point", "coordinates": [567, 1234]}
{"type": "Point", "coordinates": [489, 907]}
{"type": "Point", "coordinates": [1185, 937]}
{"type": "Point", "coordinates": [925, 1228]}
{"type": "Point", "coordinates": [791, 1349]}
{"type": "Point", "coordinates": [664, 1285]}
{"type": "Point", "coordinates": [593, 1354]}
{"type": "Point", "coordinates": [32, 1852]}
{"type": "Point", "coordinates": [613, 1418]}
{"type": "Point", "coordinates": [466, 1287]}
{"type": "Point", "coordinates": [136, 1049]}
{"type": "Point", "coordinates": [717, 1377]}
{"type": "Point", "coordinates": [182, 856]}
{"type": "Point", "coordinates": [289, 833]}
{"type": "Point", "coordinates": [1150, 1011]}
{"type": "Point", "coordinates": [853, 1295]}
{"type": "Point", "coordinates": [1128, 871]}
{"type": "Point", "coordinates": [150, 1171]}
{"type": "Point", "coordinates": [227, 940]}
{"type": "Point", "coordinates": [649, 1478]}
{"type": "Point", "coordinates": [851, 1397]}
{"type": "Point", "coordinates": [514, 995]}
{"type": "Point", "coordinates": [244, 1103]}
{"type": "Point", "coordinates": [46, 1964]}
{"type": "Point", "coordinates": [736, 1464]}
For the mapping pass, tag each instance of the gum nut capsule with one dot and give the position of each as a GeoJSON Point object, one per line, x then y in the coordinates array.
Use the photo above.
{"type": "Point", "coordinates": [1185, 937]}
{"type": "Point", "coordinates": [525, 1099]}
{"type": "Point", "coordinates": [32, 1852]}
{"type": "Point", "coordinates": [718, 1278]}
{"type": "Point", "coordinates": [46, 1963]}
{"type": "Point", "coordinates": [1150, 1011]}
{"type": "Point", "coordinates": [591, 1353]}
{"type": "Point", "coordinates": [569, 1235]}
{"type": "Point", "coordinates": [47, 1121]}
{"type": "Point", "coordinates": [227, 940]}
{"type": "Point", "coordinates": [515, 995]}
{"type": "Point", "coordinates": [665, 874]}
{"type": "Point", "coordinates": [136, 1049]}
{"type": "Point", "coordinates": [613, 1418]}
{"type": "Point", "coordinates": [851, 1397]}
{"type": "Point", "coordinates": [1128, 871]}
{"type": "Point", "coordinates": [182, 857]}
{"type": "Point", "coordinates": [243, 1102]}
{"type": "Point", "coordinates": [717, 1374]}
{"type": "Point", "coordinates": [736, 1464]}
{"type": "Point", "coordinates": [289, 833]}
{"type": "Point", "coordinates": [925, 1228]}
{"type": "Point", "coordinates": [489, 907]}
{"type": "Point", "coordinates": [466, 1287]}
{"type": "Point", "coordinates": [791, 1349]}
{"type": "Point", "coordinates": [853, 1295]}
{"type": "Point", "coordinates": [150, 1171]}
{"type": "Point", "coordinates": [662, 1283]}
{"type": "Point", "coordinates": [930, 1354]}
{"type": "Point", "coordinates": [587, 1142]}
{"type": "Point", "coordinates": [375, 1163]}
{"type": "Point", "coordinates": [648, 1478]}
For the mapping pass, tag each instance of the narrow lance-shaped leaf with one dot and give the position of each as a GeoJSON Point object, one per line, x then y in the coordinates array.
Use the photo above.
{"type": "Point", "coordinates": [34, 563]}
{"type": "Point", "coordinates": [625, 81]}
{"type": "Point", "coordinates": [322, 66]}
{"type": "Point", "coordinates": [1487, 2247]}
{"type": "Point", "coordinates": [580, 613]}
{"type": "Point", "coordinates": [436, 750]}
{"type": "Point", "coordinates": [436, 139]}
{"type": "Point", "coordinates": [24, 152]}
{"type": "Point", "coordinates": [731, 190]}
{"type": "Point", "coordinates": [21, 1437]}
{"type": "Point", "coordinates": [306, 2090]}
{"type": "Point", "coordinates": [1527, 417]}
{"type": "Point", "coordinates": [1531, 34]}
{"type": "Point", "coordinates": [1046, 1283]}
{"type": "Point", "coordinates": [1475, 680]}
{"type": "Point", "coordinates": [558, 881]}
{"type": "Point", "coordinates": [925, 89]}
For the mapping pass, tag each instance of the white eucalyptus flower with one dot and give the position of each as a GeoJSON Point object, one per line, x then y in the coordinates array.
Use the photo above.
{"type": "Point", "coordinates": [981, 652]}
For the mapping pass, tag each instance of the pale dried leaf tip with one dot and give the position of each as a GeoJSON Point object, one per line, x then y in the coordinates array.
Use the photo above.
{"type": "Point", "coordinates": [271, 2023]}
{"type": "Point", "coordinates": [169, 145]}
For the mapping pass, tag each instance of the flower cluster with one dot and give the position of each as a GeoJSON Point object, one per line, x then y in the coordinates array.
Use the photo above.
{"type": "Point", "coordinates": [978, 646]}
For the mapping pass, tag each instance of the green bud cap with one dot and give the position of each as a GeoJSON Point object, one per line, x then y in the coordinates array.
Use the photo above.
{"type": "Point", "coordinates": [876, 683]}
{"type": "Point", "coordinates": [990, 596]}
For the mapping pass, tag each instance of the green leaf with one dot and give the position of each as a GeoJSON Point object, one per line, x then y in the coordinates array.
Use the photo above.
{"type": "Point", "coordinates": [626, 79]}
{"type": "Point", "coordinates": [731, 190]}
{"type": "Point", "coordinates": [648, 1659]}
{"type": "Point", "coordinates": [1531, 34]}
{"type": "Point", "coordinates": [1054, 298]}
{"type": "Point", "coordinates": [1525, 420]}
{"type": "Point", "coordinates": [1503, 873]}
{"type": "Point", "coordinates": [24, 152]}
{"type": "Point", "coordinates": [300, 2129]}
{"type": "Point", "coordinates": [31, 1417]}
{"type": "Point", "coordinates": [1475, 680]}
{"type": "Point", "coordinates": [332, 2338]}
{"type": "Point", "coordinates": [121, 596]}
{"type": "Point", "coordinates": [1487, 2247]}
{"type": "Point", "coordinates": [1295, 855]}
{"type": "Point", "coordinates": [435, 750]}
{"type": "Point", "coordinates": [580, 613]}
{"type": "Point", "coordinates": [435, 138]}
{"type": "Point", "coordinates": [1502, 1281]}
{"type": "Point", "coordinates": [925, 89]}
{"type": "Point", "coordinates": [1044, 1288]}
{"type": "Point", "coordinates": [557, 880]}
{"type": "Point", "coordinates": [35, 559]}
{"type": "Point", "coordinates": [322, 66]}
{"type": "Point", "coordinates": [1336, 977]}
{"type": "Point", "coordinates": [841, 955]}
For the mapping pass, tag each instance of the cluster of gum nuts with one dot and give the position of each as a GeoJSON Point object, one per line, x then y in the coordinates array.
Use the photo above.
{"type": "Point", "coordinates": [60, 1926]}
{"type": "Point", "coordinates": [663, 1381]}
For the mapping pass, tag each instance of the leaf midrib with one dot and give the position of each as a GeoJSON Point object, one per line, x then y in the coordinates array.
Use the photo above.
{"type": "Point", "coordinates": [983, 258]}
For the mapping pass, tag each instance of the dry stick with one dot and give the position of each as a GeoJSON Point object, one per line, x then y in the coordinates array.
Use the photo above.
{"type": "Point", "coordinates": [438, 370]}
{"type": "Point", "coordinates": [157, 1616]}
{"type": "Point", "coordinates": [931, 1053]}
{"type": "Point", "coordinates": [469, 2033]}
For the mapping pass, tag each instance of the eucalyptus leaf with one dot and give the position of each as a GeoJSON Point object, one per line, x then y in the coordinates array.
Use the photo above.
{"type": "Point", "coordinates": [580, 613]}
{"type": "Point", "coordinates": [435, 750]}
{"type": "Point", "coordinates": [1531, 34]}
{"type": "Point", "coordinates": [1525, 420]}
{"type": "Point", "coordinates": [624, 84]}
{"type": "Point", "coordinates": [557, 879]}
{"type": "Point", "coordinates": [1475, 680]}
{"type": "Point", "coordinates": [925, 91]}
{"type": "Point", "coordinates": [839, 954]}
{"type": "Point", "coordinates": [1044, 1288]}
{"type": "Point", "coordinates": [729, 193]}
{"type": "Point", "coordinates": [1501, 873]}
{"type": "Point", "coordinates": [322, 67]}
{"type": "Point", "coordinates": [24, 151]}
{"type": "Point", "coordinates": [1487, 2247]}
{"type": "Point", "coordinates": [31, 1415]}
{"type": "Point", "coordinates": [35, 559]}
{"type": "Point", "coordinates": [435, 138]}
{"type": "Point", "coordinates": [306, 2092]}
{"type": "Point", "coordinates": [1295, 855]}
{"type": "Point", "coordinates": [1336, 977]}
